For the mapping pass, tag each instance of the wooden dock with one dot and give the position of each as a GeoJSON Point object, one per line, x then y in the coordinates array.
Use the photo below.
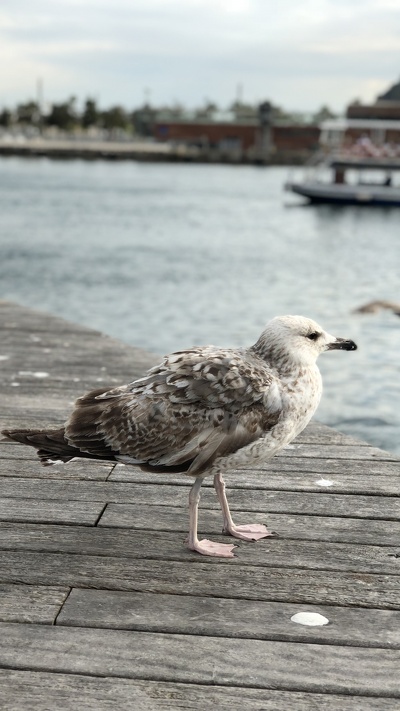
{"type": "Point", "coordinates": [103, 607]}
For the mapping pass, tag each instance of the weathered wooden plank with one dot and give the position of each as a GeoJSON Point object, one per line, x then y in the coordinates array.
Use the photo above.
{"type": "Point", "coordinates": [293, 475]}
{"type": "Point", "coordinates": [81, 469]}
{"type": "Point", "coordinates": [338, 451]}
{"type": "Point", "coordinates": [41, 691]}
{"type": "Point", "coordinates": [71, 355]}
{"type": "Point", "coordinates": [11, 451]}
{"type": "Point", "coordinates": [322, 504]}
{"type": "Point", "coordinates": [385, 480]}
{"type": "Point", "coordinates": [271, 552]}
{"type": "Point", "coordinates": [22, 322]}
{"type": "Point", "coordinates": [318, 433]}
{"type": "Point", "coordinates": [31, 603]}
{"type": "Point", "coordinates": [31, 422]}
{"type": "Point", "coordinates": [249, 663]}
{"type": "Point", "coordinates": [296, 467]}
{"type": "Point", "coordinates": [44, 691]}
{"type": "Point", "coordinates": [306, 528]}
{"type": "Point", "coordinates": [264, 501]}
{"type": "Point", "coordinates": [83, 513]}
{"type": "Point", "coordinates": [53, 389]}
{"type": "Point", "coordinates": [42, 376]}
{"type": "Point", "coordinates": [303, 479]}
{"type": "Point", "coordinates": [217, 617]}
{"type": "Point", "coordinates": [27, 364]}
{"type": "Point", "coordinates": [204, 579]}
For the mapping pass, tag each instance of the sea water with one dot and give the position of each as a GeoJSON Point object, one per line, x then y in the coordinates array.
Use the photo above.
{"type": "Point", "coordinates": [164, 256]}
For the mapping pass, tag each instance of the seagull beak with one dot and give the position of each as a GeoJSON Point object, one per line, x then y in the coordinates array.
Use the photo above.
{"type": "Point", "coordinates": [341, 344]}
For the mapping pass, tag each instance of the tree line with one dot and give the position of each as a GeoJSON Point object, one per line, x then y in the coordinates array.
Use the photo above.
{"type": "Point", "coordinates": [65, 116]}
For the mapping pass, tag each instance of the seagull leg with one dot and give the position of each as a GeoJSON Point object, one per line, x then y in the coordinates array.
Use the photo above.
{"type": "Point", "coordinates": [249, 532]}
{"type": "Point", "coordinates": [205, 547]}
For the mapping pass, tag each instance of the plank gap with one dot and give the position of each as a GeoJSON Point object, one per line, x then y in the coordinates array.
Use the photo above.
{"type": "Point", "coordinates": [62, 605]}
{"type": "Point", "coordinates": [100, 514]}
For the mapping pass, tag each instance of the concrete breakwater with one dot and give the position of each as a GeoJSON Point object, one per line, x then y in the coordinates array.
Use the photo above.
{"type": "Point", "coordinates": [140, 151]}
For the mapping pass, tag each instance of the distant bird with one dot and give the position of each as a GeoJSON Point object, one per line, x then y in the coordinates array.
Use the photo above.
{"type": "Point", "coordinates": [374, 306]}
{"type": "Point", "coordinates": [201, 412]}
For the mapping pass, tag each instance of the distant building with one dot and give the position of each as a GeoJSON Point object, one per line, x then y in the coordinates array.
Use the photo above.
{"type": "Point", "coordinates": [392, 94]}
{"type": "Point", "coordinates": [368, 130]}
{"type": "Point", "coordinates": [386, 107]}
{"type": "Point", "coordinates": [254, 139]}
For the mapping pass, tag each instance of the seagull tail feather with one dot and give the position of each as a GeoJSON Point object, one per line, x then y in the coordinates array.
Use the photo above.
{"type": "Point", "coordinates": [51, 445]}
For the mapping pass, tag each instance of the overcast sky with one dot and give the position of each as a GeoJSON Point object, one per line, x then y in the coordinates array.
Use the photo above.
{"type": "Point", "coordinates": [299, 54]}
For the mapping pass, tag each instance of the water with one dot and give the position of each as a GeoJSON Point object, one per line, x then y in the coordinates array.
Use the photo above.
{"type": "Point", "coordinates": [164, 256]}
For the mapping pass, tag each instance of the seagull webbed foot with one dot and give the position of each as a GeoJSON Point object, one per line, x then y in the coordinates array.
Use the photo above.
{"type": "Point", "coordinates": [206, 547]}
{"type": "Point", "coordinates": [248, 532]}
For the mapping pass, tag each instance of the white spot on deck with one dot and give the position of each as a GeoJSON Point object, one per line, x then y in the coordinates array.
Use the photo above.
{"type": "Point", "coordinates": [34, 374]}
{"type": "Point", "coordinates": [4, 357]}
{"type": "Point", "coordinates": [311, 619]}
{"type": "Point", "coordinates": [14, 384]}
{"type": "Point", "coordinates": [324, 482]}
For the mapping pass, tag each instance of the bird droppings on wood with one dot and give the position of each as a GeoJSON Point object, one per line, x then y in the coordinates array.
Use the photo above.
{"type": "Point", "coordinates": [310, 619]}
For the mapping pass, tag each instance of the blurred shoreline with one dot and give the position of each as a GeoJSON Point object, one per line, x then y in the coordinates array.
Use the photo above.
{"type": "Point", "coordinates": [141, 150]}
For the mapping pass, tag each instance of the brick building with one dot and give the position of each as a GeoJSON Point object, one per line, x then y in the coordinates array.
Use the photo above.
{"type": "Point", "coordinates": [243, 141]}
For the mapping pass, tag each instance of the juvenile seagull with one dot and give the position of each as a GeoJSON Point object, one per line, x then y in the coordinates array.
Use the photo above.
{"type": "Point", "coordinates": [202, 412]}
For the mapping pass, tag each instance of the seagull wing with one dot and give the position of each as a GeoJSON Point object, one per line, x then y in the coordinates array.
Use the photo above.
{"type": "Point", "coordinates": [197, 405]}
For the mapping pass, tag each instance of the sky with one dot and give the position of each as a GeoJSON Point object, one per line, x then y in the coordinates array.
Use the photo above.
{"type": "Point", "coordinates": [299, 54]}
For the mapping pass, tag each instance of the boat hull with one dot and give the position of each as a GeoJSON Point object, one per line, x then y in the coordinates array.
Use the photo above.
{"type": "Point", "coordinates": [347, 195]}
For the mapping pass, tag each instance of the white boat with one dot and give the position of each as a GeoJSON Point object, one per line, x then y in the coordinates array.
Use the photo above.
{"type": "Point", "coordinates": [359, 189]}
{"type": "Point", "coordinates": [358, 173]}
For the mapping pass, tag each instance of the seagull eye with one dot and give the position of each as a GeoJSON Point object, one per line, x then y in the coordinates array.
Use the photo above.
{"type": "Point", "coordinates": [313, 336]}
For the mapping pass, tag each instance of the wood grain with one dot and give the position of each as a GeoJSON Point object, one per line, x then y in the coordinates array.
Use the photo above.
{"type": "Point", "coordinates": [202, 660]}
{"type": "Point", "coordinates": [193, 577]}
{"type": "Point", "coordinates": [83, 513]}
{"type": "Point", "coordinates": [306, 528]}
{"type": "Point", "coordinates": [267, 553]}
{"type": "Point", "coordinates": [224, 617]}
{"type": "Point", "coordinates": [274, 501]}
{"type": "Point", "coordinates": [40, 691]}
{"type": "Point", "coordinates": [31, 603]}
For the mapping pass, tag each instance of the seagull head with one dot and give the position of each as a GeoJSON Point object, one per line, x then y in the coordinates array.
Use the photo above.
{"type": "Point", "coordinates": [297, 339]}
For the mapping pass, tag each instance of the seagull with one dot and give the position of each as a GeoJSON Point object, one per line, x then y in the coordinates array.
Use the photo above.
{"type": "Point", "coordinates": [202, 412]}
{"type": "Point", "coordinates": [374, 306]}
